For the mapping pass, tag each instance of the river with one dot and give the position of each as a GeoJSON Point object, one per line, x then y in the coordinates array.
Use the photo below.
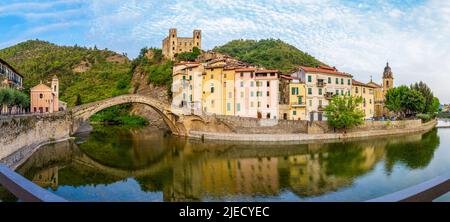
{"type": "Point", "coordinates": [119, 164]}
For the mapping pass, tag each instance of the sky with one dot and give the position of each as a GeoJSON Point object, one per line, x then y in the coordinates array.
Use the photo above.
{"type": "Point", "coordinates": [357, 37]}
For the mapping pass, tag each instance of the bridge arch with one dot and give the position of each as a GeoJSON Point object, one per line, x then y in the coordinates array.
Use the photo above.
{"type": "Point", "coordinates": [81, 114]}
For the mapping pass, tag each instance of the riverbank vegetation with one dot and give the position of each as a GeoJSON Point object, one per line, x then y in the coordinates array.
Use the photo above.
{"type": "Point", "coordinates": [13, 98]}
{"type": "Point", "coordinates": [343, 112]}
{"type": "Point", "coordinates": [416, 101]}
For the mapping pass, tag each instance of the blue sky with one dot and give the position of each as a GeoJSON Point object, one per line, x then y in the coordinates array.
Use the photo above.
{"type": "Point", "coordinates": [355, 36]}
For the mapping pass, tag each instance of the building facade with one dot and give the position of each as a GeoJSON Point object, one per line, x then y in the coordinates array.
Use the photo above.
{"type": "Point", "coordinates": [257, 93]}
{"type": "Point", "coordinates": [9, 76]}
{"type": "Point", "coordinates": [322, 83]}
{"type": "Point", "coordinates": [173, 44]}
{"type": "Point", "coordinates": [44, 99]}
{"type": "Point", "coordinates": [367, 93]}
{"type": "Point", "coordinates": [187, 88]}
{"type": "Point", "coordinates": [292, 98]}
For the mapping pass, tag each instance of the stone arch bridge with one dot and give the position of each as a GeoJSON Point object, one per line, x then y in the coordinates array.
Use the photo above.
{"type": "Point", "coordinates": [81, 114]}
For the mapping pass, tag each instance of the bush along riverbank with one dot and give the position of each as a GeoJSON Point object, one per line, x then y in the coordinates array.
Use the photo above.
{"type": "Point", "coordinates": [118, 115]}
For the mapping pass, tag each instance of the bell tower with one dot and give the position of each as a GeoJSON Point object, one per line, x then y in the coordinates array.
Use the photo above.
{"type": "Point", "coordinates": [55, 93]}
{"type": "Point", "coordinates": [388, 79]}
{"type": "Point", "coordinates": [173, 43]}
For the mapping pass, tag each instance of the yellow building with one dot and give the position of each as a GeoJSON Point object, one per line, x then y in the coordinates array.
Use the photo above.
{"type": "Point", "coordinates": [212, 97]}
{"type": "Point", "coordinates": [172, 44]}
{"type": "Point", "coordinates": [367, 93]}
{"type": "Point", "coordinates": [228, 84]}
{"type": "Point", "coordinates": [292, 98]}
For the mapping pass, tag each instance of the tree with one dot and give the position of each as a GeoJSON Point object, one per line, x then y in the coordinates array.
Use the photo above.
{"type": "Point", "coordinates": [78, 100]}
{"type": "Point", "coordinates": [343, 112]}
{"type": "Point", "coordinates": [404, 101]}
{"type": "Point", "coordinates": [188, 56]}
{"type": "Point", "coordinates": [427, 94]}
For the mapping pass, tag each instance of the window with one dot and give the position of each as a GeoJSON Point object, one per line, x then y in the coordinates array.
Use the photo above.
{"type": "Point", "coordinates": [310, 102]}
{"type": "Point", "coordinates": [225, 76]}
{"type": "Point", "coordinates": [184, 96]}
{"type": "Point", "coordinates": [190, 97]}
{"type": "Point", "coordinates": [309, 78]}
{"type": "Point", "coordinates": [268, 106]}
{"type": "Point", "coordinates": [238, 107]}
{"type": "Point", "coordinates": [294, 113]}
{"type": "Point", "coordinates": [364, 90]}
{"type": "Point", "coordinates": [251, 104]}
{"type": "Point", "coordinates": [46, 109]}
{"type": "Point", "coordinates": [337, 81]}
{"type": "Point", "coordinates": [337, 92]}
{"type": "Point", "coordinates": [252, 94]}
{"type": "Point", "coordinates": [294, 90]}
{"type": "Point", "coordinates": [41, 96]}
{"type": "Point", "coordinates": [320, 91]}
{"type": "Point", "coordinates": [342, 81]}
{"type": "Point", "coordinates": [212, 76]}
{"type": "Point", "coordinates": [251, 84]}
{"type": "Point", "coordinates": [342, 92]}
{"type": "Point", "coordinates": [320, 102]}
{"type": "Point", "coordinates": [190, 77]}
{"type": "Point", "coordinates": [268, 83]}
{"type": "Point", "coordinates": [356, 90]}
{"type": "Point", "coordinates": [242, 74]}
{"type": "Point", "coordinates": [184, 77]}
{"type": "Point", "coordinates": [242, 83]}
{"type": "Point", "coordinates": [348, 82]}
{"type": "Point", "coordinates": [259, 104]}
{"type": "Point", "coordinates": [190, 87]}
{"type": "Point", "coordinates": [300, 99]}
{"type": "Point", "coordinates": [228, 107]}
{"type": "Point", "coordinates": [212, 103]}
{"type": "Point", "coordinates": [212, 89]}
{"type": "Point", "coordinates": [230, 95]}
{"type": "Point", "coordinates": [268, 93]}
{"type": "Point", "coordinates": [309, 91]}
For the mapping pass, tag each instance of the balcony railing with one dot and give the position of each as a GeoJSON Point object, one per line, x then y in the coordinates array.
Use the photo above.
{"type": "Point", "coordinates": [321, 84]}
{"type": "Point", "coordinates": [298, 104]}
{"type": "Point", "coordinates": [329, 95]}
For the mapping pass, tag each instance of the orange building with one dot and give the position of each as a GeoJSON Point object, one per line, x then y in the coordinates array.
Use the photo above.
{"type": "Point", "coordinates": [45, 99]}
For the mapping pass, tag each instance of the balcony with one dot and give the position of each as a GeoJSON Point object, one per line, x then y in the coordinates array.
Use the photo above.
{"type": "Point", "coordinates": [321, 83]}
{"type": "Point", "coordinates": [298, 104]}
{"type": "Point", "coordinates": [320, 108]}
{"type": "Point", "coordinates": [329, 95]}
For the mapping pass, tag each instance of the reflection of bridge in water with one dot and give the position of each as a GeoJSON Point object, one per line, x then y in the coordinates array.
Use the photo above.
{"type": "Point", "coordinates": [190, 170]}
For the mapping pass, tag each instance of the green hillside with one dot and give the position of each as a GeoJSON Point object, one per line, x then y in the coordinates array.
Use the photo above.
{"type": "Point", "coordinates": [270, 53]}
{"type": "Point", "coordinates": [107, 73]}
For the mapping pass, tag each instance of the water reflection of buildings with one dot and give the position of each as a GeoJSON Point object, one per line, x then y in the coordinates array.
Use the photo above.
{"type": "Point", "coordinates": [199, 171]}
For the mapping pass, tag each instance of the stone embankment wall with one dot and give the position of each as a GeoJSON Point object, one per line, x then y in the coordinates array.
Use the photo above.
{"type": "Point", "coordinates": [268, 126]}
{"type": "Point", "coordinates": [20, 135]}
{"type": "Point", "coordinates": [248, 129]}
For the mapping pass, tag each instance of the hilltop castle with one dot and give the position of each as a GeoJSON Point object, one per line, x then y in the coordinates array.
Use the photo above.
{"type": "Point", "coordinates": [173, 44]}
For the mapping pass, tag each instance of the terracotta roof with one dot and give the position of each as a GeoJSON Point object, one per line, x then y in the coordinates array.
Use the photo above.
{"type": "Point", "coordinates": [267, 70]}
{"type": "Point", "coordinates": [357, 83]}
{"type": "Point", "coordinates": [41, 87]}
{"type": "Point", "coordinates": [325, 69]}
{"type": "Point", "coordinates": [286, 77]}
{"type": "Point", "coordinates": [245, 70]}
{"type": "Point", "coordinates": [187, 63]}
{"type": "Point", "coordinates": [10, 67]}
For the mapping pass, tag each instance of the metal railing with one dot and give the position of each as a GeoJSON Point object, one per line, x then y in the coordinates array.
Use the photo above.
{"type": "Point", "coordinates": [24, 189]}
{"type": "Point", "coordinates": [423, 192]}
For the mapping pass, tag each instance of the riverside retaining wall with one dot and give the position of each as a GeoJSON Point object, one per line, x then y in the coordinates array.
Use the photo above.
{"type": "Point", "coordinates": [20, 135]}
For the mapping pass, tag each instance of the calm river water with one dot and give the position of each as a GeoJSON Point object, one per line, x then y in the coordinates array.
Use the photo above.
{"type": "Point", "coordinates": [118, 164]}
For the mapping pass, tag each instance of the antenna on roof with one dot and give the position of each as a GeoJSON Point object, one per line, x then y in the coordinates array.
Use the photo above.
{"type": "Point", "coordinates": [371, 78]}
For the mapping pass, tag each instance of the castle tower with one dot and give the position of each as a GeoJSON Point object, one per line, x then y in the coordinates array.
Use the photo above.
{"type": "Point", "coordinates": [172, 42]}
{"type": "Point", "coordinates": [55, 93]}
{"type": "Point", "coordinates": [388, 79]}
{"type": "Point", "coordinates": [197, 38]}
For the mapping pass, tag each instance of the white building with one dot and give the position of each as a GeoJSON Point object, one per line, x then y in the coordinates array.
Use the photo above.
{"type": "Point", "coordinates": [322, 83]}
{"type": "Point", "coordinates": [187, 88]}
